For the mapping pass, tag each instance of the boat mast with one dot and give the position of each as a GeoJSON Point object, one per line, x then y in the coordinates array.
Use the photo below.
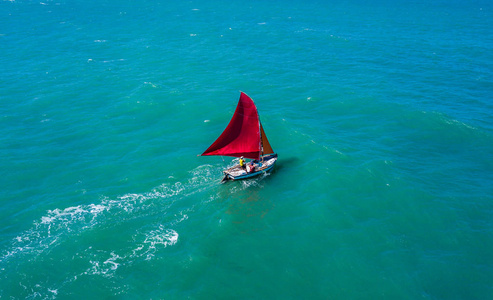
{"type": "Point", "coordinates": [261, 144]}
{"type": "Point", "coordinates": [260, 137]}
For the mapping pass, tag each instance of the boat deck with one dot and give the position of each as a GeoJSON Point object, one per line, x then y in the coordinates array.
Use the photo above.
{"type": "Point", "coordinates": [237, 172]}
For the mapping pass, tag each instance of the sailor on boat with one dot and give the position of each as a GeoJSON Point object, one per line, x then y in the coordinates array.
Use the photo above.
{"type": "Point", "coordinates": [250, 167]}
{"type": "Point", "coordinates": [242, 162]}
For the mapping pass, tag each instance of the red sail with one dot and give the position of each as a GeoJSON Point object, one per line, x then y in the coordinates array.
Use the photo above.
{"type": "Point", "coordinates": [242, 136]}
{"type": "Point", "coordinates": [266, 147]}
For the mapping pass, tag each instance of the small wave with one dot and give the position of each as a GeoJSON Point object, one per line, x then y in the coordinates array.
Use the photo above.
{"type": "Point", "coordinates": [113, 60]}
{"type": "Point", "coordinates": [106, 268]}
{"type": "Point", "coordinates": [458, 123]}
{"type": "Point", "coordinates": [151, 84]}
{"type": "Point", "coordinates": [155, 239]}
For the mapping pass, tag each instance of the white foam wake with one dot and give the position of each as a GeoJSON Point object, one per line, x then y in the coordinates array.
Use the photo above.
{"type": "Point", "coordinates": [154, 240]}
{"type": "Point", "coordinates": [58, 224]}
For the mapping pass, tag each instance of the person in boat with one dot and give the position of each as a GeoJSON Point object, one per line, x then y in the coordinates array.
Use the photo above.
{"type": "Point", "coordinates": [242, 163]}
{"type": "Point", "coordinates": [250, 167]}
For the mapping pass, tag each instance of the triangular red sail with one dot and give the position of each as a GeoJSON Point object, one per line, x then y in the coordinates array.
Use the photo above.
{"type": "Point", "coordinates": [266, 147]}
{"type": "Point", "coordinates": [242, 136]}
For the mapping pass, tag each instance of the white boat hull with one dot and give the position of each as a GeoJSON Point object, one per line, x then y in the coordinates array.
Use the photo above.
{"type": "Point", "coordinates": [237, 173]}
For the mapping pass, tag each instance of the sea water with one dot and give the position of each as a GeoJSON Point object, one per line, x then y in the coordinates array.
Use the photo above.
{"type": "Point", "coordinates": [381, 113]}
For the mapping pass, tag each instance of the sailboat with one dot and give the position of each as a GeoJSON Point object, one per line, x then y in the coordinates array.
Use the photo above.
{"type": "Point", "coordinates": [244, 137]}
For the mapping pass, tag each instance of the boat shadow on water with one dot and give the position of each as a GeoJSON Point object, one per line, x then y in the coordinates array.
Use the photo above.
{"type": "Point", "coordinates": [286, 163]}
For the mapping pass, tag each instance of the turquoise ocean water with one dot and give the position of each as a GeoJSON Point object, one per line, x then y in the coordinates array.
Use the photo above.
{"type": "Point", "coordinates": [381, 112]}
